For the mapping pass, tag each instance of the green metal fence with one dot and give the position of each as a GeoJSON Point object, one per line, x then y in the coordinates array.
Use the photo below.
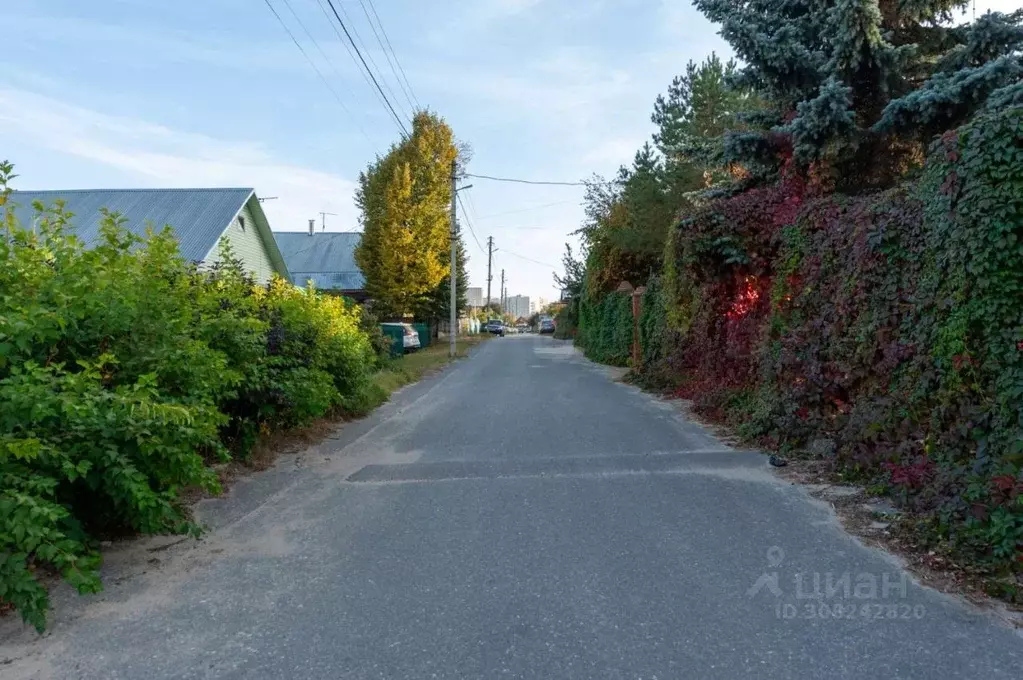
{"type": "Point", "coordinates": [397, 336]}
{"type": "Point", "coordinates": [424, 334]}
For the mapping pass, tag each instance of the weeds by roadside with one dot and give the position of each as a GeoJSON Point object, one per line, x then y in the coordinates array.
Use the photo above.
{"type": "Point", "coordinates": [413, 367]}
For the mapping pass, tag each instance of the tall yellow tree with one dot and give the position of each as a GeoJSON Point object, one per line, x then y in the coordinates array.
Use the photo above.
{"type": "Point", "coordinates": [405, 199]}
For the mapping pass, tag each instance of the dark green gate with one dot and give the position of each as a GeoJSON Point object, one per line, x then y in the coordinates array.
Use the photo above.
{"type": "Point", "coordinates": [396, 334]}
{"type": "Point", "coordinates": [424, 334]}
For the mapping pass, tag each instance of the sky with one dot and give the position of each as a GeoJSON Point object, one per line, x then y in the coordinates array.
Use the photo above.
{"type": "Point", "coordinates": [203, 93]}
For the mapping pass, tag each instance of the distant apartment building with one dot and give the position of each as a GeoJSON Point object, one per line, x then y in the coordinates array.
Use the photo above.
{"type": "Point", "coordinates": [517, 306]}
{"type": "Point", "coordinates": [474, 296]}
{"type": "Point", "coordinates": [532, 307]}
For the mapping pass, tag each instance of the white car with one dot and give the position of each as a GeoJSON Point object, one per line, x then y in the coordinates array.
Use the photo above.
{"type": "Point", "coordinates": [410, 336]}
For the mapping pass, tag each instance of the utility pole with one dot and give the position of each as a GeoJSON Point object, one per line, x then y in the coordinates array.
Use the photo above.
{"type": "Point", "coordinates": [490, 259]}
{"type": "Point", "coordinates": [453, 315]}
{"type": "Point", "coordinates": [453, 330]}
{"type": "Point", "coordinates": [503, 310]}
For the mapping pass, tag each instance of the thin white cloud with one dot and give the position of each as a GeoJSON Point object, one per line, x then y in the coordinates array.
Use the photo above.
{"type": "Point", "coordinates": [613, 150]}
{"type": "Point", "coordinates": [162, 157]}
{"type": "Point", "coordinates": [481, 13]}
{"type": "Point", "coordinates": [497, 8]}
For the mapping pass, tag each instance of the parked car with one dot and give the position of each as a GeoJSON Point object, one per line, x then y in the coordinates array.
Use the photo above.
{"type": "Point", "coordinates": [496, 327]}
{"type": "Point", "coordinates": [410, 336]}
{"type": "Point", "coordinates": [546, 326]}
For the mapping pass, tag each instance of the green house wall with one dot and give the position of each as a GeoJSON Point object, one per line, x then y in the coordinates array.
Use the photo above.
{"type": "Point", "coordinates": [247, 246]}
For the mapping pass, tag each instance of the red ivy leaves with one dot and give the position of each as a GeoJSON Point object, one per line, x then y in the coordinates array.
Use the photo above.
{"type": "Point", "coordinates": [960, 359]}
{"type": "Point", "coordinates": [745, 301]}
{"type": "Point", "coordinates": [1006, 488]}
{"type": "Point", "coordinates": [951, 184]}
{"type": "Point", "coordinates": [910, 476]}
{"type": "Point", "coordinates": [950, 142]}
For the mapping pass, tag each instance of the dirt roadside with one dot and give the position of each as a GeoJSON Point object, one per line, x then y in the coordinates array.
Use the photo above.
{"type": "Point", "coordinates": [875, 521]}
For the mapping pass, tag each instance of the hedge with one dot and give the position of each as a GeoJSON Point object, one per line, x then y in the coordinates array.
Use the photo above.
{"type": "Point", "coordinates": [126, 372]}
{"type": "Point", "coordinates": [605, 328]}
{"type": "Point", "coordinates": [883, 330]}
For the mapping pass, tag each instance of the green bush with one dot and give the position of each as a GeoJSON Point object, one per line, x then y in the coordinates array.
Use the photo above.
{"type": "Point", "coordinates": [653, 324]}
{"type": "Point", "coordinates": [125, 372]}
{"type": "Point", "coordinates": [566, 323]}
{"type": "Point", "coordinates": [369, 323]}
{"type": "Point", "coordinates": [605, 328]}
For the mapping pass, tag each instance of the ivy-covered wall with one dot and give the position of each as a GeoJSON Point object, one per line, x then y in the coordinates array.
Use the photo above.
{"type": "Point", "coordinates": [605, 328]}
{"type": "Point", "coordinates": [882, 330]}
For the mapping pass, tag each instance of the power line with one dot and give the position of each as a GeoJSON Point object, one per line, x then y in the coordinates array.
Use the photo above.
{"type": "Point", "coordinates": [409, 96]}
{"type": "Point", "coordinates": [472, 205]}
{"type": "Point", "coordinates": [472, 210]}
{"type": "Point", "coordinates": [523, 228]}
{"type": "Point", "coordinates": [369, 55]}
{"type": "Point", "coordinates": [471, 231]}
{"type": "Point", "coordinates": [351, 54]}
{"type": "Point", "coordinates": [315, 67]}
{"type": "Point", "coordinates": [326, 59]}
{"type": "Point", "coordinates": [468, 223]}
{"type": "Point", "coordinates": [522, 210]}
{"type": "Point", "coordinates": [344, 28]}
{"type": "Point", "coordinates": [527, 181]}
{"type": "Point", "coordinates": [528, 259]}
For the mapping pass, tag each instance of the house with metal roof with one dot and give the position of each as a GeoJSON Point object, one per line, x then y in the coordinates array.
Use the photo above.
{"type": "Point", "coordinates": [200, 218]}
{"type": "Point", "coordinates": [325, 258]}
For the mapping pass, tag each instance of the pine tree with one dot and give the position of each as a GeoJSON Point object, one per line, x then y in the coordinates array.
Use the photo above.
{"type": "Point", "coordinates": [699, 107]}
{"type": "Point", "coordinates": [404, 198]}
{"type": "Point", "coordinates": [650, 204]}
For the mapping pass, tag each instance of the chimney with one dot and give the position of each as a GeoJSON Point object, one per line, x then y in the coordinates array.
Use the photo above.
{"type": "Point", "coordinates": [312, 227]}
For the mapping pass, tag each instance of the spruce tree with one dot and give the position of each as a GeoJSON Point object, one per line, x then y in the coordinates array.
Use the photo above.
{"type": "Point", "coordinates": [858, 80]}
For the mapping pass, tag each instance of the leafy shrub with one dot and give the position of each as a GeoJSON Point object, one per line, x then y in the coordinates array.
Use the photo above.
{"type": "Point", "coordinates": [566, 323]}
{"type": "Point", "coordinates": [369, 323]}
{"type": "Point", "coordinates": [124, 372]}
{"type": "Point", "coordinates": [653, 325]}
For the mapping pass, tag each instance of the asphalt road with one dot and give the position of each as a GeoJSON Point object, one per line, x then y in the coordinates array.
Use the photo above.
{"type": "Point", "coordinates": [521, 515]}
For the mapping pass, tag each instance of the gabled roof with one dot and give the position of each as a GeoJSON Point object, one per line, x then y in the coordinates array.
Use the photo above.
{"type": "Point", "coordinates": [327, 258]}
{"type": "Point", "coordinates": [198, 216]}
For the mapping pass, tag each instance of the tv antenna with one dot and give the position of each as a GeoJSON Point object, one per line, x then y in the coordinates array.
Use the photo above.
{"type": "Point", "coordinates": [323, 220]}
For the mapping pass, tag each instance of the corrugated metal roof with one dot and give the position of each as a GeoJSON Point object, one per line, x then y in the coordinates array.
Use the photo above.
{"type": "Point", "coordinates": [328, 258]}
{"type": "Point", "coordinates": [198, 216]}
{"type": "Point", "coordinates": [330, 280]}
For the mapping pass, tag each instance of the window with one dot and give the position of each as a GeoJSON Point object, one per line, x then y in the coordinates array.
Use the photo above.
{"type": "Point", "coordinates": [241, 221]}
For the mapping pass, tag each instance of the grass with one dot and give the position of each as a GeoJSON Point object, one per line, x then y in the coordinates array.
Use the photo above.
{"type": "Point", "coordinates": [393, 376]}
{"type": "Point", "coordinates": [415, 366]}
